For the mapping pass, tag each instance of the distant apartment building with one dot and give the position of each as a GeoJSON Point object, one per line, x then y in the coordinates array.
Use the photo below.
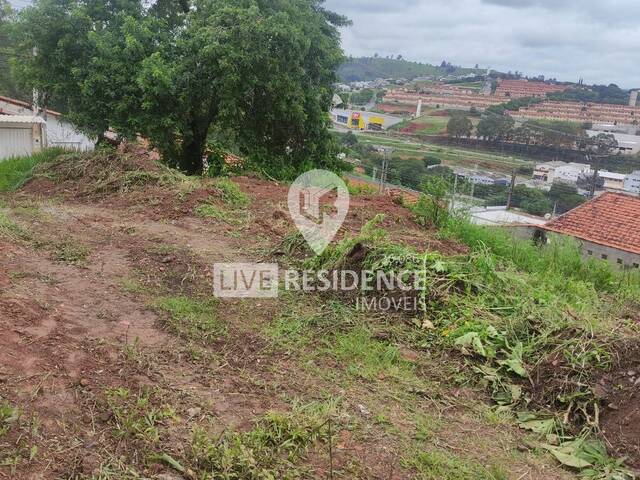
{"type": "Point", "coordinates": [632, 182]}
{"type": "Point", "coordinates": [442, 95]}
{"type": "Point", "coordinates": [526, 88]}
{"type": "Point", "coordinates": [581, 112]}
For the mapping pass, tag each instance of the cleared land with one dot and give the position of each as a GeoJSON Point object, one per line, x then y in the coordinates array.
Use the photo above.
{"type": "Point", "coordinates": [117, 363]}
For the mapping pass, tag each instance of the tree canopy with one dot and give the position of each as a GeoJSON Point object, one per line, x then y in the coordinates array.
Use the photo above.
{"type": "Point", "coordinates": [459, 126]}
{"type": "Point", "coordinates": [253, 74]}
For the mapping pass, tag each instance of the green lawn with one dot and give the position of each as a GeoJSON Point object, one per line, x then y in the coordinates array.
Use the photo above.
{"type": "Point", "coordinates": [15, 171]}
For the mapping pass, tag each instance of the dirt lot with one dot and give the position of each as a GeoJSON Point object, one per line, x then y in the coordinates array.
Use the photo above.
{"type": "Point", "coordinates": [116, 362]}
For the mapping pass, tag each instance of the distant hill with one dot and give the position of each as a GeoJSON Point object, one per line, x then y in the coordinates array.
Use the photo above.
{"type": "Point", "coordinates": [369, 68]}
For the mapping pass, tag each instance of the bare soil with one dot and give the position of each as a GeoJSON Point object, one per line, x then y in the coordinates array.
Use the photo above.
{"type": "Point", "coordinates": [76, 328]}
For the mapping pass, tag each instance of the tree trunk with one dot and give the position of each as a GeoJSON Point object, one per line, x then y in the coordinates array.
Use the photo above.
{"type": "Point", "coordinates": [191, 154]}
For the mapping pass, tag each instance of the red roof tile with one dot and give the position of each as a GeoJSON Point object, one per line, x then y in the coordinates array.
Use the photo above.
{"type": "Point", "coordinates": [613, 220]}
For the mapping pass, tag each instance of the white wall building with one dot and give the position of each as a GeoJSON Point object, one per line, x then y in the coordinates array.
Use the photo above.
{"type": "Point", "coordinates": [570, 173]}
{"type": "Point", "coordinates": [21, 135]}
{"type": "Point", "coordinates": [58, 132]}
{"type": "Point", "coordinates": [632, 182]}
{"type": "Point", "coordinates": [545, 171]}
{"type": "Point", "coordinates": [612, 181]}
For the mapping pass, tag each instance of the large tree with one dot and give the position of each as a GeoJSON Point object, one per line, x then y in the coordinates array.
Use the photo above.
{"type": "Point", "coordinates": [258, 73]}
{"type": "Point", "coordinates": [8, 84]}
{"type": "Point", "coordinates": [459, 126]}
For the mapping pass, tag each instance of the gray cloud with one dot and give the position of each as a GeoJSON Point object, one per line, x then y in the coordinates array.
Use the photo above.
{"type": "Point", "coordinates": [566, 39]}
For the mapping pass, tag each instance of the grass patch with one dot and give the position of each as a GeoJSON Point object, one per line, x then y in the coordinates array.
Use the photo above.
{"type": "Point", "coordinates": [231, 194]}
{"type": "Point", "coordinates": [208, 210]}
{"type": "Point", "coordinates": [360, 188]}
{"type": "Point", "coordinates": [368, 358]}
{"type": "Point", "coordinates": [11, 230]}
{"type": "Point", "coordinates": [137, 416]}
{"type": "Point", "coordinates": [192, 319]}
{"type": "Point", "coordinates": [14, 172]}
{"type": "Point", "coordinates": [272, 449]}
{"type": "Point", "coordinates": [70, 252]}
{"type": "Point", "coordinates": [438, 465]}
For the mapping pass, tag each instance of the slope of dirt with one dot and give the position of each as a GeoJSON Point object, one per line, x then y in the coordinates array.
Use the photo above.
{"type": "Point", "coordinates": [102, 381]}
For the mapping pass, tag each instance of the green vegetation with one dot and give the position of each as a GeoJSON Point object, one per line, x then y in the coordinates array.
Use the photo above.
{"type": "Point", "coordinates": [532, 200]}
{"type": "Point", "coordinates": [596, 94]}
{"type": "Point", "coordinates": [368, 358]}
{"type": "Point", "coordinates": [270, 450]}
{"type": "Point", "coordinates": [137, 416]}
{"type": "Point", "coordinates": [14, 172]}
{"type": "Point", "coordinates": [11, 230]}
{"type": "Point", "coordinates": [8, 84]}
{"type": "Point", "coordinates": [371, 68]}
{"type": "Point", "coordinates": [459, 126]}
{"type": "Point", "coordinates": [440, 465]}
{"type": "Point", "coordinates": [126, 74]}
{"type": "Point", "coordinates": [508, 306]}
{"type": "Point", "coordinates": [231, 194]}
{"type": "Point", "coordinates": [361, 97]}
{"type": "Point", "coordinates": [69, 251]}
{"type": "Point", "coordinates": [191, 318]}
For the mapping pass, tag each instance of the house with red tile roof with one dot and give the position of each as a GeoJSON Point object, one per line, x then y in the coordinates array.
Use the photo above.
{"type": "Point", "coordinates": [607, 227]}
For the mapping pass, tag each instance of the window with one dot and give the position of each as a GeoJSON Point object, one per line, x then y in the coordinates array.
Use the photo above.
{"type": "Point", "coordinates": [589, 252]}
{"type": "Point", "coordinates": [619, 261]}
{"type": "Point", "coordinates": [604, 256]}
{"type": "Point", "coordinates": [636, 265]}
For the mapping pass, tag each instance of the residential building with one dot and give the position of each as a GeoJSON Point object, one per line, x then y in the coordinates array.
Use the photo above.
{"type": "Point", "coordinates": [21, 135]}
{"type": "Point", "coordinates": [612, 181]}
{"type": "Point", "coordinates": [607, 228]}
{"type": "Point", "coordinates": [526, 88]}
{"type": "Point", "coordinates": [581, 112]}
{"type": "Point", "coordinates": [545, 171]}
{"type": "Point", "coordinates": [632, 182]}
{"type": "Point", "coordinates": [59, 133]}
{"type": "Point", "coordinates": [570, 173]}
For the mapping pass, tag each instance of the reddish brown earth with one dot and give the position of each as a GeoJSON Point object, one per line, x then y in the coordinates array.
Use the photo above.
{"type": "Point", "coordinates": [74, 330]}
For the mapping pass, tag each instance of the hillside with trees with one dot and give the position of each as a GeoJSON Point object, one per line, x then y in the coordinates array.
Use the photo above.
{"type": "Point", "coordinates": [595, 94]}
{"type": "Point", "coordinates": [369, 68]}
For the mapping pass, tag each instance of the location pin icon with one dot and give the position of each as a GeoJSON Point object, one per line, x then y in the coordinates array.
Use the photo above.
{"type": "Point", "coordinates": [318, 204]}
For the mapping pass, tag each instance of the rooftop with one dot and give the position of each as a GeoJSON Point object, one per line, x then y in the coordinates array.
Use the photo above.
{"type": "Point", "coordinates": [20, 119]}
{"type": "Point", "coordinates": [613, 220]}
{"type": "Point", "coordinates": [21, 104]}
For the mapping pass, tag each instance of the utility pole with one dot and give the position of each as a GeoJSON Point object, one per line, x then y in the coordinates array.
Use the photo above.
{"type": "Point", "coordinates": [594, 180]}
{"type": "Point", "coordinates": [455, 192]}
{"type": "Point", "coordinates": [511, 188]}
{"type": "Point", "coordinates": [473, 184]}
{"type": "Point", "coordinates": [383, 172]}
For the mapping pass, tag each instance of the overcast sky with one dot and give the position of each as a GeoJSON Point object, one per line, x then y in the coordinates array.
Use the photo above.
{"type": "Point", "coordinates": [598, 40]}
